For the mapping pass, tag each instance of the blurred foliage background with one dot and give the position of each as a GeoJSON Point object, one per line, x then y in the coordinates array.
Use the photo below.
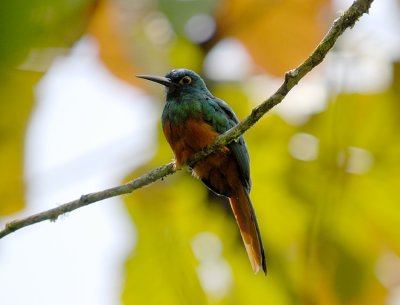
{"type": "Point", "coordinates": [325, 164]}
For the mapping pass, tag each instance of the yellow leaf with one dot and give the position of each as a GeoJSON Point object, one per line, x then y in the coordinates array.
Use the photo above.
{"type": "Point", "coordinates": [15, 107]}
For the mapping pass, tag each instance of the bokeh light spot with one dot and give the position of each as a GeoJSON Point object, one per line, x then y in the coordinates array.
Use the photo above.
{"type": "Point", "coordinates": [304, 147]}
{"type": "Point", "coordinates": [213, 271]}
{"type": "Point", "coordinates": [200, 28]}
{"type": "Point", "coordinates": [158, 29]}
{"type": "Point", "coordinates": [206, 246]}
{"type": "Point", "coordinates": [359, 161]}
{"type": "Point", "coordinates": [228, 61]}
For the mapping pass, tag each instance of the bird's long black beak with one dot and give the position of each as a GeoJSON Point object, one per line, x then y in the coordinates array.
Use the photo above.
{"type": "Point", "coordinates": [158, 79]}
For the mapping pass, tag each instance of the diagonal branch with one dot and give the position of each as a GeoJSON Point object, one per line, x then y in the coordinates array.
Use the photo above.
{"type": "Point", "coordinates": [347, 20]}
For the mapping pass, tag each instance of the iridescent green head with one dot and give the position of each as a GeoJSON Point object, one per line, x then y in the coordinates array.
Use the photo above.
{"type": "Point", "coordinates": [179, 81]}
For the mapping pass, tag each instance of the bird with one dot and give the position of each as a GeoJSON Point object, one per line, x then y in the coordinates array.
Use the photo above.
{"type": "Point", "coordinates": [192, 119]}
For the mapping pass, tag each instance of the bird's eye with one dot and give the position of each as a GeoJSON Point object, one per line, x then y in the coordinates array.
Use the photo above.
{"type": "Point", "coordinates": [186, 80]}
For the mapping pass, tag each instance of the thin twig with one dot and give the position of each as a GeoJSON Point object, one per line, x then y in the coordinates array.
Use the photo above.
{"type": "Point", "coordinates": [347, 20]}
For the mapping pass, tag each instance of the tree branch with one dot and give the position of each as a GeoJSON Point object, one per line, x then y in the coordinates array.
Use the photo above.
{"type": "Point", "coordinates": [347, 20]}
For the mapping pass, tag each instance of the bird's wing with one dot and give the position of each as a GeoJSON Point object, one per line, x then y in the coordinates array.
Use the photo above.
{"type": "Point", "coordinates": [239, 147]}
{"type": "Point", "coordinates": [239, 150]}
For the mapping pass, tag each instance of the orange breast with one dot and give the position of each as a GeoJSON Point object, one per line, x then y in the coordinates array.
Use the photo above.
{"type": "Point", "coordinates": [218, 170]}
{"type": "Point", "coordinates": [188, 138]}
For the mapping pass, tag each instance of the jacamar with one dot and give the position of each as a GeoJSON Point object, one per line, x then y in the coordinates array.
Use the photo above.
{"type": "Point", "coordinates": [192, 119]}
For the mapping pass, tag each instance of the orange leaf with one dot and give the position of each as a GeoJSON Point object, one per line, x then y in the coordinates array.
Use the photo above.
{"type": "Point", "coordinates": [113, 44]}
{"type": "Point", "coordinates": [279, 35]}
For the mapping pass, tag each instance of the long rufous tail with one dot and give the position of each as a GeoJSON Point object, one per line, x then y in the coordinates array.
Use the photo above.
{"type": "Point", "coordinates": [248, 226]}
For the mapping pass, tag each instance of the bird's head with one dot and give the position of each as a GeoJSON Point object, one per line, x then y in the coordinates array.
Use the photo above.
{"type": "Point", "coordinates": [179, 81]}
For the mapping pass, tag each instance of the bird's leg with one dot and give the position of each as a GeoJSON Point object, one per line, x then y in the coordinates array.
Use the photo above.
{"type": "Point", "coordinates": [177, 166]}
